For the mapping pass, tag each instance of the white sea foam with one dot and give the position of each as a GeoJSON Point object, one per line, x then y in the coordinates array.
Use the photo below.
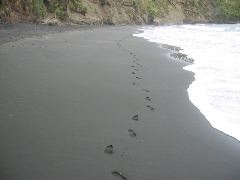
{"type": "Point", "coordinates": [216, 51]}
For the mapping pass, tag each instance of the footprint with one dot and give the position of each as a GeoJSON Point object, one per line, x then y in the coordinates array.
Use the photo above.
{"type": "Point", "coordinates": [148, 98]}
{"type": "Point", "coordinates": [133, 72]}
{"type": "Point", "coordinates": [138, 77]}
{"type": "Point", "coordinates": [139, 64]}
{"type": "Point", "coordinates": [119, 174]}
{"type": "Point", "coordinates": [133, 66]}
{"type": "Point", "coordinates": [134, 84]}
{"type": "Point", "coordinates": [146, 90]}
{"type": "Point", "coordinates": [135, 118]}
{"type": "Point", "coordinates": [109, 149]}
{"type": "Point", "coordinates": [135, 69]}
{"type": "Point", "coordinates": [150, 107]}
{"type": "Point", "coordinates": [132, 133]}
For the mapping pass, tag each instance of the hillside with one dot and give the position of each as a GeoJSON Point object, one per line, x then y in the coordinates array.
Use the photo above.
{"type": "Point", "coordinates": [119, 11]}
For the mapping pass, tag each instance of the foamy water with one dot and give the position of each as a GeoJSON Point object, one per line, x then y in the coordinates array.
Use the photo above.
{"type": "Point", "coordinates": [216, 51]}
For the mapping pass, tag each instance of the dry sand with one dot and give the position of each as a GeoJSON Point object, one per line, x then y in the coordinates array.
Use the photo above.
{"type": "Point", "coordinates": [66, 96]}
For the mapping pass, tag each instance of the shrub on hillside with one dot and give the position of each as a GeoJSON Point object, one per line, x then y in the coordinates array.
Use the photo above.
{"type": "Point", "coordinates": [229, 8]}
{"type": "Point", "coordinates": [104, 2]}
{"type": "Point", "coordinates": [38, 8]}
{"type": "Point", "coordinates": [77, 6]}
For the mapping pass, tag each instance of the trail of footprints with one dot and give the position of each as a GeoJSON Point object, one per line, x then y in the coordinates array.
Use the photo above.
{"type": "Point", "coordinates": [135, 69]}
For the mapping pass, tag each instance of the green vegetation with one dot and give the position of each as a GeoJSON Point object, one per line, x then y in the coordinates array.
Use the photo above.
{"type": "Point", "coordinates": [229, 8]}
{"type": "Point", "coordinates": [148, 10]}
{"type": "Point", "coordinates": [197, 10]}
{"type": "Point", "coordinates": [104, 2]}
{"type": "Point", "coordinates": [38, 8]}
{"type": "Point", "coordinates": [196, 6]}
{"type": "Point", "coordinates": [153, 8]}
{"type": "Point", "coordinates": [61, 12]}
{"type": "Point", "coordinates": [77, 6]}
{"type": "Point", "coordinates": [60, 8]}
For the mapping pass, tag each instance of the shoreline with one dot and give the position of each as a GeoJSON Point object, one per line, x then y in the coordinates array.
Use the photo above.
{"type": "Point", "coordinates": [211, 112]}
{"type": "Point", "coordinates": [27, 30]}
{"type": "Point", "coordinates": [78, 92]}
{"type": "Point", "coordinates": [20, 31]}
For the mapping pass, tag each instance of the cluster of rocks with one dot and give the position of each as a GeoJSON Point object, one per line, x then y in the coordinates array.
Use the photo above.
{"type": "Point", "coordinates": [182, 57]}
{"type": "Point", "coordinates": [172, 48]}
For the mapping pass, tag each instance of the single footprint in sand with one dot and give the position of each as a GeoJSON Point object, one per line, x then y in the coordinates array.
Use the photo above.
{"type": "Point", "coordinates": [109, 149]}
{"type": "Point", "coordinates": [139, 64]}
{"type": "Point", "coordinates": [132, 133]}
{"type": "Point", "coordinates": [138, 77]}
{"type": "Point", "coordinates": [146, 90]}
{"type": "Point", "coordinates": [135, 118]}
{"type": "Point", "coordinates": [150, 107]}
{"type": "Point", "coordinates": [148, 98]}
{"type": "Point", "coordinates": [134, 84]}
{"type": "Point", "coordinates": [133, 66]}
{"type": "Point", "coordinates": [133, 72]}
{"type": "Point", "coordinates": [119, 174]}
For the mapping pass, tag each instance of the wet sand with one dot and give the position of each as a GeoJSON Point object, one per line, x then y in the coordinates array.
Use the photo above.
{"type": "Point", "coordinates": [65, 97]}
{"type": "Point", "coordinates": [15, 32]}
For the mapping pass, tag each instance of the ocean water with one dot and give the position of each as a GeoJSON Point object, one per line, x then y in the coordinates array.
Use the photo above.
{"type": "Point", "coordinates": [216, 51]}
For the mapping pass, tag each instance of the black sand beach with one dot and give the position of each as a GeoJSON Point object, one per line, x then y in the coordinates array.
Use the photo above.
{"type": "Point", "coordinates": [64, 97]}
